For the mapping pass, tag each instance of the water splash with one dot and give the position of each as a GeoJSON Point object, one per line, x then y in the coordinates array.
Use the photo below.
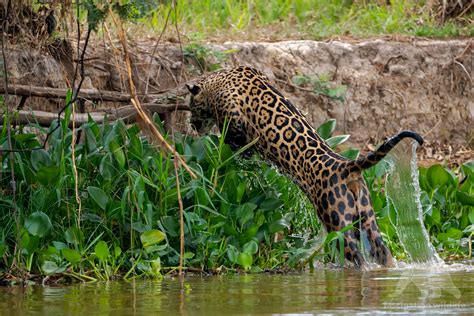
{"type": "Point", "coordinates": [403, 194]}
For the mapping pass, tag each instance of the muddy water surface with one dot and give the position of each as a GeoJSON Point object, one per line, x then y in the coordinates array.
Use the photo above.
{"type": "Point", "coordinates": [407, 291]}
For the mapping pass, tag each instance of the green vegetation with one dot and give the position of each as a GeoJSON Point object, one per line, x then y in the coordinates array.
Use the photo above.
{"type": "Point", "coordinates": [108, 206]}
{"type": "Point", "coordinates": [239, 214]}
{"type": "Point", "coordinates": [310, 19]}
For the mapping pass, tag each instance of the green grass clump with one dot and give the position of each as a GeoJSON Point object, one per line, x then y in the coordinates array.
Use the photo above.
{"type": "Point", "coordinates": [239, 214]}
{"type": "Point", "coordinates": [128, 221]}
{"type": "Point", "coordinates": [310, 19]}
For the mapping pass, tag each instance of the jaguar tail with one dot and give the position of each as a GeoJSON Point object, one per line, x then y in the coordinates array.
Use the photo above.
{"type": "Point", "coordinates": [374, 157]}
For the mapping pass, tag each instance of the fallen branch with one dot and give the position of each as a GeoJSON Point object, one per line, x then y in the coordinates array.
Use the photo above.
{"type": "Point", "coordinates": [127, 113]}
{"type": "Point", "coordinates": [89, 94]}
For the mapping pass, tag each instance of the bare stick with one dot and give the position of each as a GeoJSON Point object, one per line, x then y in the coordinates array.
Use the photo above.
{"type": "Point", "coordinates": [127, 113]}
{"type": "Point", "coordinates": [143, 115]}
{"type": "Point", "coordinates": [59, 93]}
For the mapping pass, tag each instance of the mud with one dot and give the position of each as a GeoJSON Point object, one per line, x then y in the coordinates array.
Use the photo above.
{"type": "Point", "coordinates": [386, 85]}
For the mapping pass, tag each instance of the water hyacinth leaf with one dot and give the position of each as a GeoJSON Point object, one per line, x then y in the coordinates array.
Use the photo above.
{"type": "Point", "coordinates": [74, 235]}
{"type": "Point", "coordinates": [38, 224]}
{"type": "Point", "coordinates": [48, 175]}
{"type": "Point", "coordinates": [245, 213]}
{"type": "Point", "coordinates": [50, 267]}
{"type": "Point", "coordinates": [465, 198]}
{"type": "Point", "coordinates": [437, 176]}
{"type": "Point", "coordinates": [351, 153]}
{"type": "Point", "coordinates": [118, 153]}
{"type": "Point", "coordinates": [471, 216]}
{"type": "Point", "coordinates": [152, 237]}
{"type": "Point", "coordinates": [188, 255]}
{"type": "Point", "coordinates": [326, 129]}
{"type": "Point", "coordinates": [271, 204]}
{"type": "Point", "coordinates": [40, 158]}
{"type": "Point", "coordinates": [117, 251]}
{"type": "Point", "coordinates": [171, 225]}
{"type": "Point", "coordinates": [101, 250]}
{"type": "Point", "coordinates": [279, 225]}
{"type": "Point", "coordinates": [245, 260]}
{"type": "Point", "coordinates": [250, 248]}
{"type": "Point", "coordinates": [71, 255]}
{"type": "Point", "coordinates": [240, 191]}
{"type": "Point", "coordinates": [337, 140]}
{"type": "Point", "coordinates": [451, 233]}
{"type": "Point", "coordinates": [140, 227]}
{"type": "Point", "coordinates": [232, 254]}
{"type": "Point", "coordinates": [99, 196]}
{"type": "Point", "coordinates": [59, 245]}
{"type": "Point", "coordinates": [106, 168]}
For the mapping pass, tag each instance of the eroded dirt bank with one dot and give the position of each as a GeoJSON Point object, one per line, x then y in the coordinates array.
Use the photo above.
{"type": "Point", "coordinates": [424, 85]}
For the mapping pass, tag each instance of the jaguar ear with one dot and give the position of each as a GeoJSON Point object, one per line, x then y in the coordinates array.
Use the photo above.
{"type": "Point", "coordinates": [193, 89]}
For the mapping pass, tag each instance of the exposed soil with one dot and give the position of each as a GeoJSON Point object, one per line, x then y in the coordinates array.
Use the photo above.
{"type": "Point", "coordinates": [422, 85]}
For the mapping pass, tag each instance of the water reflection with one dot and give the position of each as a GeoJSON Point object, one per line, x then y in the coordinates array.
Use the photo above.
{"type": "Point", "coordinates": [332, 291]}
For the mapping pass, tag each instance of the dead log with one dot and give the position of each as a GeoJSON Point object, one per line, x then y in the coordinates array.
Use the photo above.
{"type": "Point", "coordinates": [88, 94]}
{"type": "Point", "coordinates": [127, 113]}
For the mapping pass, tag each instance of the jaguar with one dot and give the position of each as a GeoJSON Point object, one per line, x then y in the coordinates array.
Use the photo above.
{"type": "Point", "coordinates": [257, 112]}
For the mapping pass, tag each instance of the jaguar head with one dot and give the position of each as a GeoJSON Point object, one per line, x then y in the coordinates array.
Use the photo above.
{"type": "Point", "coordinates": [201, 115]}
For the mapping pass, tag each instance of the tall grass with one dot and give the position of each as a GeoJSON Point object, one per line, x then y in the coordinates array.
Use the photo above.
{"type": "Point", "coordinates": [312, 19]}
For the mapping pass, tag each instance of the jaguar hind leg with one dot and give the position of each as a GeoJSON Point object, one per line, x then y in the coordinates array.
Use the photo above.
{"type": "Point", "coordinates": [368, 224]}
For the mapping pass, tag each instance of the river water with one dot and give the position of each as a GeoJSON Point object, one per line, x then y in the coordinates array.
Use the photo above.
{"type": "Point", "coordinates": [409, 290]}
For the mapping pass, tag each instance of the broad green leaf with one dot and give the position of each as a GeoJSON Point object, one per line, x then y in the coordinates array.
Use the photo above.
{"type": "Point", "coordinates": [471, 216]}
{"type": "Point", "coordinates": [152, 237]}
{"type": "Point", "coordinates": [437, 176]}
{"type": "Point", "coordinates": [71, 255]}
{"type": "Point", "coordinates": [240, 191]}
{"type": "Point", "coordinates": [337, 140]}
{"type": "Point", "coordinates": [59, 246]}
{"type": "Point", "coordinates": [117, 251]}
{"type": "Point", "coordinates": [48, 175]}
{"type": "Point", "coordinates": [106, 167]}
{"type": "Point", "coordinates": [118, 153]}
{"type": "Point", "coordinates": [188, 255]}
{"type": "Point", "coordinates": [50, 267]}
{"type": "Point", "coordinates": [73, 235]}
{"type": "Point", "coordinates": [101, 250]}
{"type": "Point", "coordinates": [245, 260]}
{"type": "Point", "coordinates": [245, 212]}
{"type": "Point", "coordinates": [39, 158]}
{"type": "Point", "coordinates": [351, 153]}
{"type": "Point", "coordinates": [326, 129]}
{"type": "Point", "coordinates": [271, 204]}
{"type": "Point", "coordinates": [250, 248]}
{"type": "Point", "coordinates": [232, 254]}
{"type": "Point", "coordinates": [452, 233]}
{"type": "Point", "coordinates": [98, 196]}
{"type": "Point", "coordinates": [279, 225]}
{"type": "Point", "coordinates": [465, 198]}
{"type": "Point", "coordinates": [171, 225]}
{"type": "Point", "coordinates": [38, 224]}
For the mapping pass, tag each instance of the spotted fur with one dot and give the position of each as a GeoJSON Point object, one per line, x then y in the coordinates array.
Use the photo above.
{"type": "Point", "coordinates": [334, 184]}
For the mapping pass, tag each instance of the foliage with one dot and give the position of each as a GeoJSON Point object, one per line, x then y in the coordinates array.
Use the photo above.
{"type": "Point", "coordinates": [447, 198]}
{"type": "Point", "coordinates": [205, 58]}
{"type": "Point", "coordinates": [321, 86]}
{"type": "Point", "coordinates": [311, 19]}
{"type": "Point", "coordinates": [238, 214]}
